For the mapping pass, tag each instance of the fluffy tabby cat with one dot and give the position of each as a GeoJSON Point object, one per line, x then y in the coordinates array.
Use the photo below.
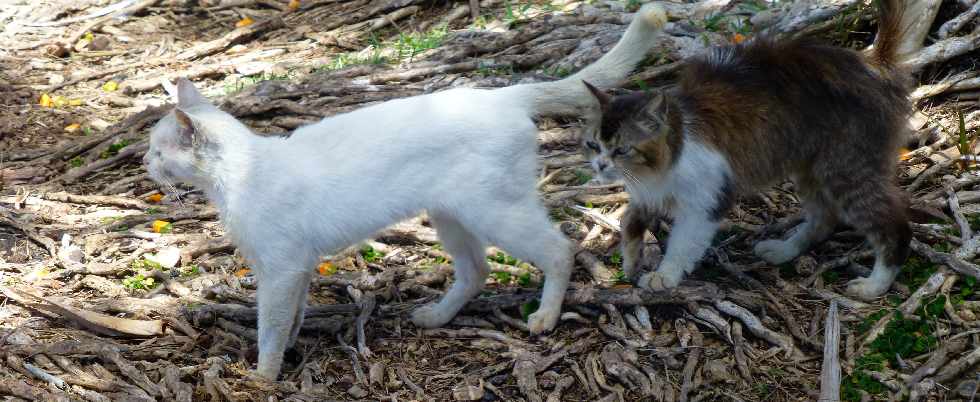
{"type": "Point", "coordinates": [747, 116]}
{"type": "Point", "coordinates": [466, 156]}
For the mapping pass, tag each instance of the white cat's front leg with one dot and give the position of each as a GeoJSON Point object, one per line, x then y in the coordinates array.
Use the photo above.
{"type": "Point", "coordinates": [690, 236]}
{"type": "Point", "coordinates": [279, 304]}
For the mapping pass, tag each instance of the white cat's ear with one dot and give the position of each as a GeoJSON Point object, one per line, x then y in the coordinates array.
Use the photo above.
{"type": "Point", "coordinates": [186, 132]}
{"type": "Point", "coordinates": [169, 88]}
{"type": "Point", "coordinates": [187, 95]}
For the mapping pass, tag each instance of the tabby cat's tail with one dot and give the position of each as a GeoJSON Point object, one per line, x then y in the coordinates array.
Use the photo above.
{"type": "Point", "coordinates": [569, 96]}
{"type": "Point", "coordinates": [884, 54]}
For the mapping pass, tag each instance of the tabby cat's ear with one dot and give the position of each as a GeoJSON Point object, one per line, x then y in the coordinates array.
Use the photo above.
{"type": "Point", "coordinates": [657, 107]}
{"type": "Point", "coordinates": [603, 98]}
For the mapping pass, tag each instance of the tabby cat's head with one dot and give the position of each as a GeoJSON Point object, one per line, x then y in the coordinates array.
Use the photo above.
{"type": "Point", "coordinates": [639, 135]}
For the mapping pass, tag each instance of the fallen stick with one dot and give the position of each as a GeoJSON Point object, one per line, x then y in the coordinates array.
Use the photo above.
{"type": "Point", "coordinates": [949, 260]}
{"type": "Point", "coordinates": [689, 291]}
{"type": "Point", "coordinates": [830, 371]}
{"type": "Point", "coordinates": [42, 375]}
{"type": "Point", "coordinates": [233, 37]}
{"type": "Point", "coordinates": [97, 13]}
{"type": "Point", "coordinates": [958, 22]}
{"type": "Point", "coordinates": [758, 329]}
{"type": "Point", "coordinates": [952, 370]}
{"type": "Point", "coordinates": [125, 202]}
{"type": "Point", "coordinates": [95, 322]}
{"type": "Point", "coordinates": [126, 153]}
{"type": "Point", "coordinates": [943, 50]}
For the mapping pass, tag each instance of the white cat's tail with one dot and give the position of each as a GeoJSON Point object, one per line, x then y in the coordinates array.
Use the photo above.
{"type": "Point", "coordinates": [569, 96]}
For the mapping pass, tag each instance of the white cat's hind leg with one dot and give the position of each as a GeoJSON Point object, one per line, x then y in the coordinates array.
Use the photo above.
{"type": "Point", "coordinates": [470, 272]}
{"type": "Point", "coordinates": [522, 228]}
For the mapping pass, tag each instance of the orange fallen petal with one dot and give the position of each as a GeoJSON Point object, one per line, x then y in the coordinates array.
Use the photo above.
{"type": "Point", "coordinates": [293, 4]}
{"type": "Point", "coordinates": [326, 269]}
{"type": "Point", "coordinates": [242, 272]}
{"type": "Point", "coordinates": [904, 154]}
{"type": "Point", "coordinates": [161, 226]}
{"type": "Point", "coordinates": [738, 38]}
{"type": "Point", "coordinates": [71, 128]}
{"type": "Point", "coordinates": [244, 22]}
{"type": "Point", "coordinates": [155, 197]}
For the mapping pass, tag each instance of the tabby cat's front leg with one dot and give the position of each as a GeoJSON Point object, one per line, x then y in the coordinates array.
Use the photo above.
{"type": "Point", "coordinates": [690, 236]}
{"type": "Point", "coordinates": [634, 224]}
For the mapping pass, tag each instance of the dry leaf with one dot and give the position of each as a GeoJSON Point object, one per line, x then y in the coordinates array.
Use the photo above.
{"type": "Point", "coordinates": [293, 4]}
{"type": "Point", "coordinates": [162, 226]}
{"type": "Point", "coordinates": [45, 101]}
{"type": "Point", "coordinates": [155, 197]}
{"type": "Point", "coordinates": [110, 86]}
{"type": "Point", "coordinates": [71, 128]}
{"type": "Point", "coordinates": [244, 22]}
{"type": "Point", "coordinates": [326, 269]}
{"type": "Point", "coordinates": [242, 272]}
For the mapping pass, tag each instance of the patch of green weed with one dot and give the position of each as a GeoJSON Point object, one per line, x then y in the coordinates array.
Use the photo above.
{"type": "Point", "coordinates": [503, 258]}
{"type": "Point", "coordinates": [250, 80]}
{"type": "Point", "coordinates": [138, 281]}
{"type": "Point", "coordinates": [76, 162]}
{"type": "Point", "coordinates": [902, 337]}
{"type": "Point", "coordinates": [371, 255]}
{"type": "Point", "coordinates": [916, 272]}
{"type": "Point", "coordinates": [529, 308]}
{"type": "Point", "coordinates": [582, 176]}
{"type": "Point", "coordinates": [115, 147]}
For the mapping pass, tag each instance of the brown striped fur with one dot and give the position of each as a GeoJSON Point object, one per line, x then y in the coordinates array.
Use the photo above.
{"type": "Point", "coordinates": [830, 118]}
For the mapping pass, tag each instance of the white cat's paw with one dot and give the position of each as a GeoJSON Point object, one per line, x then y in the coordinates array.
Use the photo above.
{"type": "Point", "coordinates": [866, 289]}
{"type": "Point", "coordinates": [262, 376]}
{"type": "Point", "coordinates": [660, 280]}
{"type": "Point", "coordinates": [542, 321]}
{"type": "Point", "coordinates": [776, 251]}
{"type": "Point", "coordinates": [430, 316]}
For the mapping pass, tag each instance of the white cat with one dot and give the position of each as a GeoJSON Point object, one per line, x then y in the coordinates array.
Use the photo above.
{"type": "Point", "coordinates": [466, 156]}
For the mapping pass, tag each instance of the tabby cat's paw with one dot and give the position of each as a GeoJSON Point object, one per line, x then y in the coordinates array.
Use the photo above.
{"type": "Point", "coordinates": [866, 289]}
{"type": "Point", "coordinates": [776, 251]}
{"type": "Point", "coordinates": [660, 280]}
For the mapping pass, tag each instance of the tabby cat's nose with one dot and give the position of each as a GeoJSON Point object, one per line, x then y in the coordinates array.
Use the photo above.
{"type": "Point", "coordinates": [602, 165]}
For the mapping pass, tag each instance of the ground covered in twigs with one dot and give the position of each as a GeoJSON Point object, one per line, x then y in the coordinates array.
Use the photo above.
{"type": "Point", "coordinates": [115, 291]}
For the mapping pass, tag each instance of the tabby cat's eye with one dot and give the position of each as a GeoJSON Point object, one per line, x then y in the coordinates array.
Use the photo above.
{"type": "Point", "coordinates": [592, 145]}
{"type": "Point", "coordinates": [621, 151]}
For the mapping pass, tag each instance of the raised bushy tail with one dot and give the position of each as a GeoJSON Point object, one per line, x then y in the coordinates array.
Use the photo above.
{"type": "Point", "coordinates": [569, 96]}
{"type": "Point", "coordinates": [885, 51]}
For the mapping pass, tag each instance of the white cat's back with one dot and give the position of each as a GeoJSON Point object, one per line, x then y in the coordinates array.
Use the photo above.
{"type": "Point", "coordinates": [376, 164]}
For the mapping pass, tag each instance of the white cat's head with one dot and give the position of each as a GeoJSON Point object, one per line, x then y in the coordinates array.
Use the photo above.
{"type": "Point", "coordinates": [187, 143]}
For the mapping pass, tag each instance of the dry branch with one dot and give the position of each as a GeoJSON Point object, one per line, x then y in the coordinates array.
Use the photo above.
{"type": "Point", "coordinates": [830, 372]}
{"type": "Point", "coordinates": [689, 291]}
{"type": "Point", "coordinates": [231, 38]}
{"type": "Point", "coordinates": [98, 323]}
